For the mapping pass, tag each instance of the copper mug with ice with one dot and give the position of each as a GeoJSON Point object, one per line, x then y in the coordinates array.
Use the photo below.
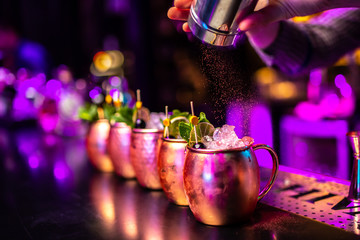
{"type": "Point", "coordinates": [96, 145]}
{"type": "Point", "coordinates": [222, 186]}
{"type": "Point", "coordinates": [119, 149]}
{"type": "Point", "coordinates": [144, 150]}
{"type": "Point", "coordinates": [170, 167]}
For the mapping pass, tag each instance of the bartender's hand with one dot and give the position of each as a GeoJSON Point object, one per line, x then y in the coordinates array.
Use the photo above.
{"type": "Point", "coordinates": [261, 36]}
{"type": "Point", "coordinates": [262, 25]}
{"type": "Point", "coordinates": [181, 11]}
{"type": "Point", "coordinates": [275, 10]}
{"type": "Point", "coordinates": [278, 10]}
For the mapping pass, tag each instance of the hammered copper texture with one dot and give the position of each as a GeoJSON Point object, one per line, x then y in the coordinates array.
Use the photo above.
{"type": "Point", "coordinates": [222, 186]}
{"type": "Point", "coordinates": [96, 141]}
{"type": "Point", "coordinates": [170, 167]}
{"type": "Point", "coordinates": [144, 149]}
{"type": "Point", "coordinates": [119, 150]}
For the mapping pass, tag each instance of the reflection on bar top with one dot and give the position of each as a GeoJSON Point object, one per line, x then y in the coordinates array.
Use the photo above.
{"type": "Point", "coordinates": [315, 196]}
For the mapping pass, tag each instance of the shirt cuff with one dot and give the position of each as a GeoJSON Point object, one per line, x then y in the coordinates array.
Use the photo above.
{"type": "Point", "coordinates": [290, 51]}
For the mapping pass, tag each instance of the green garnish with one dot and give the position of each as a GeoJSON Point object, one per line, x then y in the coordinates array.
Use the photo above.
{"type": "Point", "coordinates": [109, 111]}
{"type": "Point", "coordinates": [124, 114]}
{"type": "Point", "coordinates": [202, 129]}
{"type": "Point", "coordinates": [184, 130]}
{"type": "Point", "coordinates": [88, 112]}
{"type": "Point", "coordinates": [202, 118]}
{"type": "Point", "coordinates": [186, 127]}
{"type": "Point", "coordinates": [175, 119]}
{"type": "Point", "coordinates": [178, 113]}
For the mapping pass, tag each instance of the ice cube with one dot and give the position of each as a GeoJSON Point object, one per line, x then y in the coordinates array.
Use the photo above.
{"type": "Point", "coordinates": [225, 132]}
{"type": "Point", "coordinates": [215, 145]}
{"type": "Point", "coordinates": [239, 144]}
{"type": "Point", "coordinates": [155, 121]}
{"type": "Point", "coordinates": [207, 140]}
{"type": "Point", "coordinates": [226, 138]}
{"type": "Point", "coordinates": [216, 133]}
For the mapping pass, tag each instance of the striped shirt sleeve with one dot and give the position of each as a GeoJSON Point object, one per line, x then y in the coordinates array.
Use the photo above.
{"type": "Point", "coordinates": [299, 48]}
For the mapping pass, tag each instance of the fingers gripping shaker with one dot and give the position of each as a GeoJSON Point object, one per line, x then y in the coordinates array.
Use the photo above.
{"type": "Point", "coordinates": [216, 21]}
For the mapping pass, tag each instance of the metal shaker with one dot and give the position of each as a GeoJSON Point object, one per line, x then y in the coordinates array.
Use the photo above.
{"type": "Point", "coordinates": [216, 21]}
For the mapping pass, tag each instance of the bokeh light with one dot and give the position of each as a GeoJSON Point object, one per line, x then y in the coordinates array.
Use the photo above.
{"type": "Point", "coordinates": [53, 88]}
{"type": "Point", "coordinates": [102, 61]}
{"type": "Point", "coordinates": [283, 90]}
{"type": "Point", "coordinates": [80, 84]}
{"type": "Point", "coordinates": [61, 171]}
{"type": "Point", "coordinates": [115, 81]}
{"type": "Point", "coordinates": [34, 161]}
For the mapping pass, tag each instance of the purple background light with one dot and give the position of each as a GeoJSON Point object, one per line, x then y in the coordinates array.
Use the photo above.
{"type": "Point", "coordinates": [253, 121]}
{"type": "Point", "coordinates": [315, 77]}
{"type": "Point", "coordinates": [346, 91]}
{"type": "Point", "coordinates": [121, 7]}
{"type": "Point", "coordinates": [22, 74]}
{"type": "Point", "coordinates": [48, 121]}
{"type": "Point", "coordinates": [95, 92]}
{"type": "Point", "coordinates": [262, 132]}
{"type": "Point", "coordinates": [301, 149]}
{"type": "Point", "coordinates": [61, 170]}
{"type": "Point", "coordinates": [340, 80]}
{"type": "Point", "coordinates": [6, 76]}
{"type": "Point", "coordinates": [114, 92]}
{"type": "Point", "coordinates": [235, 117]}
{"type": "Point", "coordinates": [115, 81]}
{"type": "Point", "coordinates": [313, 87]}
{"type": "Point", "coordinates": [34, 162]}
{"type": "Point", "coordinates": [319, 146]}
{"type": "Point", "coordinates": [53, 89]}
{"type": "Point", "coordinates": [331, 100]}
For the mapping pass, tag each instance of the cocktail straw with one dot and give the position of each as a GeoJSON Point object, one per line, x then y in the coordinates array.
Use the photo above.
{"type": "Point", "coordinates": [138, 97]}
{"type": "Point", "coordinates": [192, 108]}
{"type": "Point", "coordinates": [108, 97]}
{"type": "Point", "coordinates": [167, 122]}
{"type": "Point", "coordinates": [192, 112]}
{"type": "Point", "coordinates": [138, 103]}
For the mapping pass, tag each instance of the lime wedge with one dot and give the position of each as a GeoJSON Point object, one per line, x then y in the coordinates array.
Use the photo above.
{"type": "Point", "coordinates": [174, 126]}
{"type": "Point", "coordinates": [202, 129]}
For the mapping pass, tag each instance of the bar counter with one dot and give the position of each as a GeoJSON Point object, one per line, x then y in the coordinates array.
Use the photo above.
{"type": "Point", "coordinates": [49, 190]}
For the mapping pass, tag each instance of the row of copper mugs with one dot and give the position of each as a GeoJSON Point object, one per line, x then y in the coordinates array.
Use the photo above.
{"type": "Point", "coordinates": [156, 162]}
{"type": "Point", "coordinates": [221, 187]}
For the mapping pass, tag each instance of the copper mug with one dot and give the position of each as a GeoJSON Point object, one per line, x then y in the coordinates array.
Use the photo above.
{"type": "Point", "coordinates": [222, 186]}
{"type": "Point", "coordinates": [144, 150]}
{"type": "Point", "coordinates": [170, 167]}
{"type": "Point", "coordinates": [96, 141]}
{"type": "Point", "coordinates": [119, 149]}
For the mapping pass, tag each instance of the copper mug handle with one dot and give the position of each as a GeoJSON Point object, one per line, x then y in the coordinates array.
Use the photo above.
{"type": "Point", "coordinates": [274, 169]}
